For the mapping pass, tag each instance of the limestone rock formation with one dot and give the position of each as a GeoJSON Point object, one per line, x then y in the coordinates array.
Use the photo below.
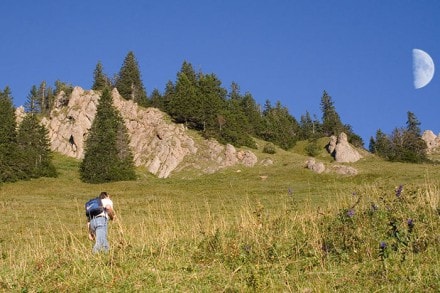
{"type": "Point", "coordinates": [344, 170]}
{"type": "Point", "coordinates": [432, 141]}
{"type": "Point", "coordinates": [342, 150]}
{"type": "Point", "coordinates": [157, 144]}
{"type": "Point", "coordinates": [317, 167]}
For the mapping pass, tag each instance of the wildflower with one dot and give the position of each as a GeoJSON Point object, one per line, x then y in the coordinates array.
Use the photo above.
{"type": "Point", "coordinates": [350, 213]}
{"type": "Point", "coordinates": [410, 223]}
{"type": "Point", "coordinates": [383, 245]}
{"type": "Point", "coordinates": [399, 190]}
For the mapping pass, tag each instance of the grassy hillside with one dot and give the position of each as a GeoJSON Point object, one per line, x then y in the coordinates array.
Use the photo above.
{"type": "Point", "coordinates": [266, 229]}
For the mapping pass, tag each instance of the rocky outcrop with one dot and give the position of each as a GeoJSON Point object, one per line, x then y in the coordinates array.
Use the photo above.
{"type": "Point", "coordinates": [342, 150]}
{"type": "Point", "coordinates": [317, 167]}
{"type": "Point", "coordinates": [157, 144]}
{"type": "Point", "coordinates": [432, 141]}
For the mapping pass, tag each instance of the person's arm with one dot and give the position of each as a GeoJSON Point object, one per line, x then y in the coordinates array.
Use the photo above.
{"type": "Point", "coordinates": [110, 212]}
{"type": "Point", "coordinates": [91, 236]}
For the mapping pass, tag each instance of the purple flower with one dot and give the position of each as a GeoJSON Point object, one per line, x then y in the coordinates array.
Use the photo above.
{"type": "Point", "coordinates": [410, 223]}
{"type": "Point", "coordinates": [350, 213]}
{"type": "Point", "coordinates": [399, 190]}
{"type": "Point", "coordinates": [383, 245]}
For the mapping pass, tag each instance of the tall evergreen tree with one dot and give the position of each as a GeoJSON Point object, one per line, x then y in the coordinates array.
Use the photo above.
{"type": "Point", "coordinates": [413, 124]}
{"type": "Point", "coordinates": [32, 104]}
{"type": "Point", "coordinates": [157, 100]}
{"type": "Point", "coordinates": [129, 82]}
{"type": "Point", "coordinates": [34, 146]}
{"type": "Point", "coordinates": [107, 154]}
{"type": "Point", "coordinates": [100, 80]}
{"type": "Point", "coordinates": [10, 158]}
{"type": "Point", "coordinates": [280, 127]}
{"type": "Point", "coordinates": [185, 106]}
{"type": "Point", "coordinates": [331, 122]}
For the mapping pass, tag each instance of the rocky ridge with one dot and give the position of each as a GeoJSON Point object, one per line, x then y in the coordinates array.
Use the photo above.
{"type": "Point", "coordinates": [157, 144]}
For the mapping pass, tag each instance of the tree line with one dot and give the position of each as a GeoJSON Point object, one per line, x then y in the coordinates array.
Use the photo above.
{"type": "Point", "coordinates": [195, 99]}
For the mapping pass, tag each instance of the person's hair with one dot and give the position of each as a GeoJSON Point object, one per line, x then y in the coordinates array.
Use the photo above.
{"type": "Point", "coordinates": [103, 195]}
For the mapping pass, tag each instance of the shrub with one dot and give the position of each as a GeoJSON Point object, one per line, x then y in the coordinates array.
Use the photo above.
{"type": "Point", "coordinates": [269, 148]}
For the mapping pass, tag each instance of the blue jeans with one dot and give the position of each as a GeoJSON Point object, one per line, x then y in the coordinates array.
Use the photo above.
{"type": "Point", "coordinates": [98, 226]}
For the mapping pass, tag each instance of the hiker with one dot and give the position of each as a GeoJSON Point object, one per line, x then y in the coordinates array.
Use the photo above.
{"type": "Point", "coordinates": [98, 219]}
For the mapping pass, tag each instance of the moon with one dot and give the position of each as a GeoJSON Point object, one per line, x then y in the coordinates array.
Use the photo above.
{"type": "Point", "coordinates": [423, 68]}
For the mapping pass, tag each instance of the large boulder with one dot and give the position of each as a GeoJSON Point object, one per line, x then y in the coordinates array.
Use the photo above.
{"type": "Point", "coordinates": [317, 167]}
{"type": "Point", "coordinates": [343, 151]}
{"type": "Point", "coordinates": [432, 141]}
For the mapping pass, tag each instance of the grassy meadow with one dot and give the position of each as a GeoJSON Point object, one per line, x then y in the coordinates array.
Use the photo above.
{"type": "Point", "coordinates": [278, 228]}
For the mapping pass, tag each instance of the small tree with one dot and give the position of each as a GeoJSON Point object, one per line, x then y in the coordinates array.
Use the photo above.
{"type": "Point", "coordinates": [331, 122]}
{"type": "Point", "coordinates": [107, 154]}
{"type": "Point", "coordinates": [100, 80]}
{"type": "Point", "coordinates": [34, 146]}
{"type": "Point", "coordinates": [129, 82]}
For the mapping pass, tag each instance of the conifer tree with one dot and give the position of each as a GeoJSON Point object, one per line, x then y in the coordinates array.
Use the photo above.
{"type": "Point", "coordinates": [34, 146]}
{"type": "Point", "coordinates": [185, 104]}
{"type": "Point", "coordinates": [129, 82]}
{"type": "Point", "coordinates": [413, 124]}
{"type": "Point", "coordinates": [280, 127]}
{"type": "Point", "coordinates": [331, 122]}
{"type": "Point", "coordinates": [100, 80]}
{"type": "Point", "coordinates": [107, 154]}
{"type": "Point", "coordinates": [10, 159]}
{"type": "Point", "coordinates": [32, 104]}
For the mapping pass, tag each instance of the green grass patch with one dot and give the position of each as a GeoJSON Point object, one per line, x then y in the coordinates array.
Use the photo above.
{"type": "Point", "coordinates": [278, 228]}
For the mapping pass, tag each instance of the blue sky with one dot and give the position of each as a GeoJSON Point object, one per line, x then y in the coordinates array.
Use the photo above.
{"type": "Point", "coordinates": [360, 52]}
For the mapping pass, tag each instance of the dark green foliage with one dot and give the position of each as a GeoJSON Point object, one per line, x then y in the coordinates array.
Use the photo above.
{"type": "Point", "coordinates": [269, 148]}
{"type": "Point", "coordinates": [403, 145]}
{"type": "Point", "coordinates": [46, 98]}
{"type": "Point", "coordinates": [129, 82]}
{"type": "Point", "coordinates": [309, 128]}
{"type": "Point", "coordinates": [199, 101]}
{"type": "Point", "coordinates": [32, 104]}
{"type": "Point", "coordinates": [279, 126]}
{"type": "Point", "coordinates": [331, 122]}
{"type": "Point", "coordinates": [65, 87]}
{"type": "Point", "coordinates": [157, 101]}
{"type": "Point", "coordinates": [34, 146]}
{"type": "Point", "coordinates": [184, 105]}
{"type": "Point", "coordinates": [107, 153]}
{"type": "Point", "coordinates": [24, 154]}
{"type": "Point", "coordinates": [312, 149]}
{"type": "Point", "coordinates": [100, 80]}
{"type": "Point", "coordinates": [9, 155]}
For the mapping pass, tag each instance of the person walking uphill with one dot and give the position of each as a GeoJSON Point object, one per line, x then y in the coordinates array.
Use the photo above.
{"type": "Point", "coordinates": [99, 211]}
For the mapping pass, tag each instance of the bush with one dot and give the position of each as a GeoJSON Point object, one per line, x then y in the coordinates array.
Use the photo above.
{"type": "Point", "coordinates": [312, 148]}
{"type": "Point", "coordinates": [269, 148]}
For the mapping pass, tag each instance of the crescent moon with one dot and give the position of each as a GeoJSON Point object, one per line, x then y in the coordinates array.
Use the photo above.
{"type": "Point", "coordinates": [423, 68]}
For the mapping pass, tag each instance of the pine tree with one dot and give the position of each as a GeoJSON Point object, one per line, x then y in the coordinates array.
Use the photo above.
{"type": "Point", "coordinates": [34, 146]}
{"type": "Point", "coordinates": [129, 82]}
{"type": "Point", "coordinates": [107, 153]}
{"type": "Point", "coordinates": [32, 104]}
{"type": "Point", "coordinates": [10, 158]}
{"type": "Point", "coordinates": [185, 104]}
{"type": "Point", "coordinates": [413, 124]}
{"type": "Point", "coordinates": [280, 127]}
{"type": "Point", "coordinates": [331, 122]}
{"type": "Point", "coordinates": [157, 101]}
{"type": "Point", "coordinates": [100, 80]}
